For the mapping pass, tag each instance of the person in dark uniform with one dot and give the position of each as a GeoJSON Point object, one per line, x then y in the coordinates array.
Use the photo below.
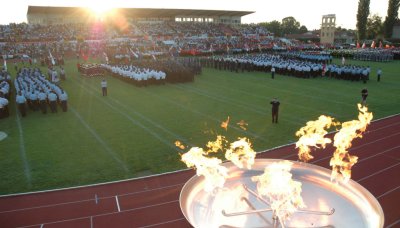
{"type": "Point", "coordinates": [364, 95]}
{"type": "Point", "coordinates": [275, 110]}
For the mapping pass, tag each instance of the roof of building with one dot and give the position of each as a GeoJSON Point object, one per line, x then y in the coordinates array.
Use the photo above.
{"type": "Point", "coordinates": [141, 12]}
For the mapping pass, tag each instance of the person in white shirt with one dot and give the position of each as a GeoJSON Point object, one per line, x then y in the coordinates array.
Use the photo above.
{"type": "Point", "coordinates": [63, 100]}
{"type": "Point", "coordinates": [104, 87]}
{"type": "Point", "coordinates": [21, 100]}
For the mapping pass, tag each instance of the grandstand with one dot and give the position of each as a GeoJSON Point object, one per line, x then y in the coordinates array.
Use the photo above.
{"type": "Point", "coordinates": [73, 15]}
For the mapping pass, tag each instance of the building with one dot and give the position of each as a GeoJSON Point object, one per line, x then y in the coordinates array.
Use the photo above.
{"type": "Point", "coordinates": [47, 15]}
{"type": "Point", "coordinates": [328, 26]}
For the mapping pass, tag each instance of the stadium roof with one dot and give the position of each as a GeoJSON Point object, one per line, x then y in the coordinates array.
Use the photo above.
{"type": "Point", "coordinates": [142, 12]}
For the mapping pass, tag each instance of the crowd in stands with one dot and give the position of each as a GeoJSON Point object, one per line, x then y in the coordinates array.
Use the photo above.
{"type": "Point", "coordinates": [36, 92]}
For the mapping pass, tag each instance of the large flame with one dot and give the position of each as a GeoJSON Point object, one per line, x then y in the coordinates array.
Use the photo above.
{"type": "Point", "coordinates": [210, 168]}
{"type": "Point", "coordinates": [312, 135]}
{"type": "Point", "coordinates": [225, 124]}
{"type": "Point", "coordinates": [342, 161]}
{"type": "Point", "coordinates": [283, 193]}
{"type": "Point", "coordinates": [241, 153]}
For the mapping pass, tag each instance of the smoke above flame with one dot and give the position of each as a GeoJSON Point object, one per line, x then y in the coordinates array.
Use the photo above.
{"type": "Point", "coordinates": [342, 161]}
{"type": "Point", "coordinates": [312, 135]}
{"type": "Point", "coordinates": [283, 193]}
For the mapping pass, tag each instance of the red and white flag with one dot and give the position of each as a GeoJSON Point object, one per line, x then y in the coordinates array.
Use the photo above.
{"type": "Point", "coordinates": [52, 59]}
{"type": "Point", "coordinates": [363, 46]}
{"type": "Point", "coordinates": [373, 44]}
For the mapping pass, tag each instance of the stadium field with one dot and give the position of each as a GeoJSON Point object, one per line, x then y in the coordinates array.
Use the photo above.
{"type": "Point", "coordinates": [132, 131]}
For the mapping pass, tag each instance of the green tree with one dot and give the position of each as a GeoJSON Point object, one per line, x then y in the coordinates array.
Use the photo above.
{"type": "Point", "coordinates": [392, 16]}
{"type": "Point", "coordinates": [362, 17]}
{"type": "Point", "coordinates": [374, 27]}
{"type": "Point", "coordinates": [273, 26]}
{"type": "Point", "coordinates": [303, 29]}
{"type": "Point", "coordinates": [290, 26]}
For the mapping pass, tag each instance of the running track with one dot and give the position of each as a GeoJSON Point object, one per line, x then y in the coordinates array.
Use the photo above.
{"type": "Point", "coordinates": [154, 201]}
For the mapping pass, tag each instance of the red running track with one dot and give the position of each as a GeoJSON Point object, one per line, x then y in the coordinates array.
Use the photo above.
{"type": "Point", "coordinates": [154, 201]}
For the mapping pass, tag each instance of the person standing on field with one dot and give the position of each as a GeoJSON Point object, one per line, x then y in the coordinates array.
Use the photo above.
{"type": "Point", "coordinates": [104, 87]}
{"type": "Point", "coordinates": [378, 74]}
{"type": "Point", "coordinates": [275, 110]}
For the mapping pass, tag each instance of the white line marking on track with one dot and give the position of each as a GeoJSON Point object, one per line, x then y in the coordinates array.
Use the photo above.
{"type": "Point", "coordinates": [117, 201]}
{"type": "Point", "coordinates": [393, 224]}
{"type": "Point", "coordinates": [390, 191]}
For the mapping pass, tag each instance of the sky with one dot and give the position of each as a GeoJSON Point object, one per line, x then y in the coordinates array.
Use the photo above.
{"type": "Point", "coordinates": [307, 12]}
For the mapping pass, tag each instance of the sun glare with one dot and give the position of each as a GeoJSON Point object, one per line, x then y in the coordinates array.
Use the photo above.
{"type": "Point", "coordinates": [100, 8]}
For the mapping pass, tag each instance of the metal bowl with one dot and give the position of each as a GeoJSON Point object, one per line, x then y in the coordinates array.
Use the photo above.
{"type": "Point", "coordinates": [354, 205]}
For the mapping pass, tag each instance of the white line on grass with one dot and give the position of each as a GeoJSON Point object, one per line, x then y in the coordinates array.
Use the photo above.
{"type": "Point", "coordinates": [22, 151]}
{"type": "Point", "coordinates": [262, 97]}
{"type": "Point", "coordinates": [243, 106]}
{"type": "Point", "coordinates": [133, 121]}
{"type": "Point", "coordinates": [256, 136]}
{"type": "Point", "coordinates": [110, 151]}
{"type": "Point", "coordinates": [290, 92]}
{"type": "Point", "coordinates": [176, 136]}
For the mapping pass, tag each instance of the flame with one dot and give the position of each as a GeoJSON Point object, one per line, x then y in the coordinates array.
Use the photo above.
{"type": "Point", "coordinates": [283, 193]}
{"type": "Point", "coordinates": [242, 124]}
{"type": "Point", "coordinates": [342, 161]}
{"type": "Point", "coordinates": [218, 144]}
{"type": "Point", "coordinates": [241, 153]}
{"type": "Point", "coordinates": [225, 124]}
{"type": "Point", "coordinates": [312, 135]}
{"type": "Point", "coordinates": [179, 145]}
{"type": "Point", "coordinates": [210, 168]}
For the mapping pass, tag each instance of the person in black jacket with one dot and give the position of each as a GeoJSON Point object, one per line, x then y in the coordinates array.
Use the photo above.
{"type": "Point", "coordinates": [275, 110]}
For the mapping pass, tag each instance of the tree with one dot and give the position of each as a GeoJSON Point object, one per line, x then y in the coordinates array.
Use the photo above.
{"type": "Point", "coordinates": [273, 26]}
{"type": "Point", "coordinates": [303, 29]}
{"type": "Point", "coordinates": [362, 17]}
{"type": "Point", "coordinates": [392, 16]}
{"type": "Point", "coordinates": [374, 27]}
{"type": "Point", "coordinates": [290, 25]}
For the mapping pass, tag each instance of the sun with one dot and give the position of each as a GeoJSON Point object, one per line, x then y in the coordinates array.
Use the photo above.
{"type": "Point", "coordinates": [100, 8]}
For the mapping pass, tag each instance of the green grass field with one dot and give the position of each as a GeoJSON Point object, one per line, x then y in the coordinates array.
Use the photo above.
{"type": "Point", "coordinates": [132, 131]}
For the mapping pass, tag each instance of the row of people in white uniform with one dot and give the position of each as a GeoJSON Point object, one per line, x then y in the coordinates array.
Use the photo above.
{"type": "Point", "coordinates": [300, 68]}
{"type": "Point", "coordinates": [35, 90]}
{"type": "Point", "coordinates": [4, 95]}
{"type": "Point", "coordinates": [136, 73]}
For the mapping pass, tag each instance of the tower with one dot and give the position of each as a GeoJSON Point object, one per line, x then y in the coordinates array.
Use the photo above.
{"type": "Point", "coordinates": [328, 29]}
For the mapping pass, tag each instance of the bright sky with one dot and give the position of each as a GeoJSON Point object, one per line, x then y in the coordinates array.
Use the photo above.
{"type": "Point", "coordinates": [307, 12]}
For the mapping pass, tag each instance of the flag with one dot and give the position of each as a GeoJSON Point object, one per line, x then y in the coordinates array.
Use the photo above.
{"type": "Point", "coordinates": [259, 47]}
{"type": "Point", "coordinates": [373, 44]}
{"type": "Point", "coordinates": [227, 48]}
{"type": "Point", "coordinates": [380, 44]}
{"type": "Point", "coordinates": [51, 58]}
{"type": "Point", "coordinates": [154, 57]}
{"type": "Point", "coordinates": [358, 44]}
{"type": "Point", "coordinates": [134, 53]}
{"type": "Point", "coordinates": [5, 62]}
{"type": "Point", "coordinates": [211, 48]}
{"type": "Point", "coordinates": [363, 46]}
{"type": "Point", "coordinates": [106, 57]}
